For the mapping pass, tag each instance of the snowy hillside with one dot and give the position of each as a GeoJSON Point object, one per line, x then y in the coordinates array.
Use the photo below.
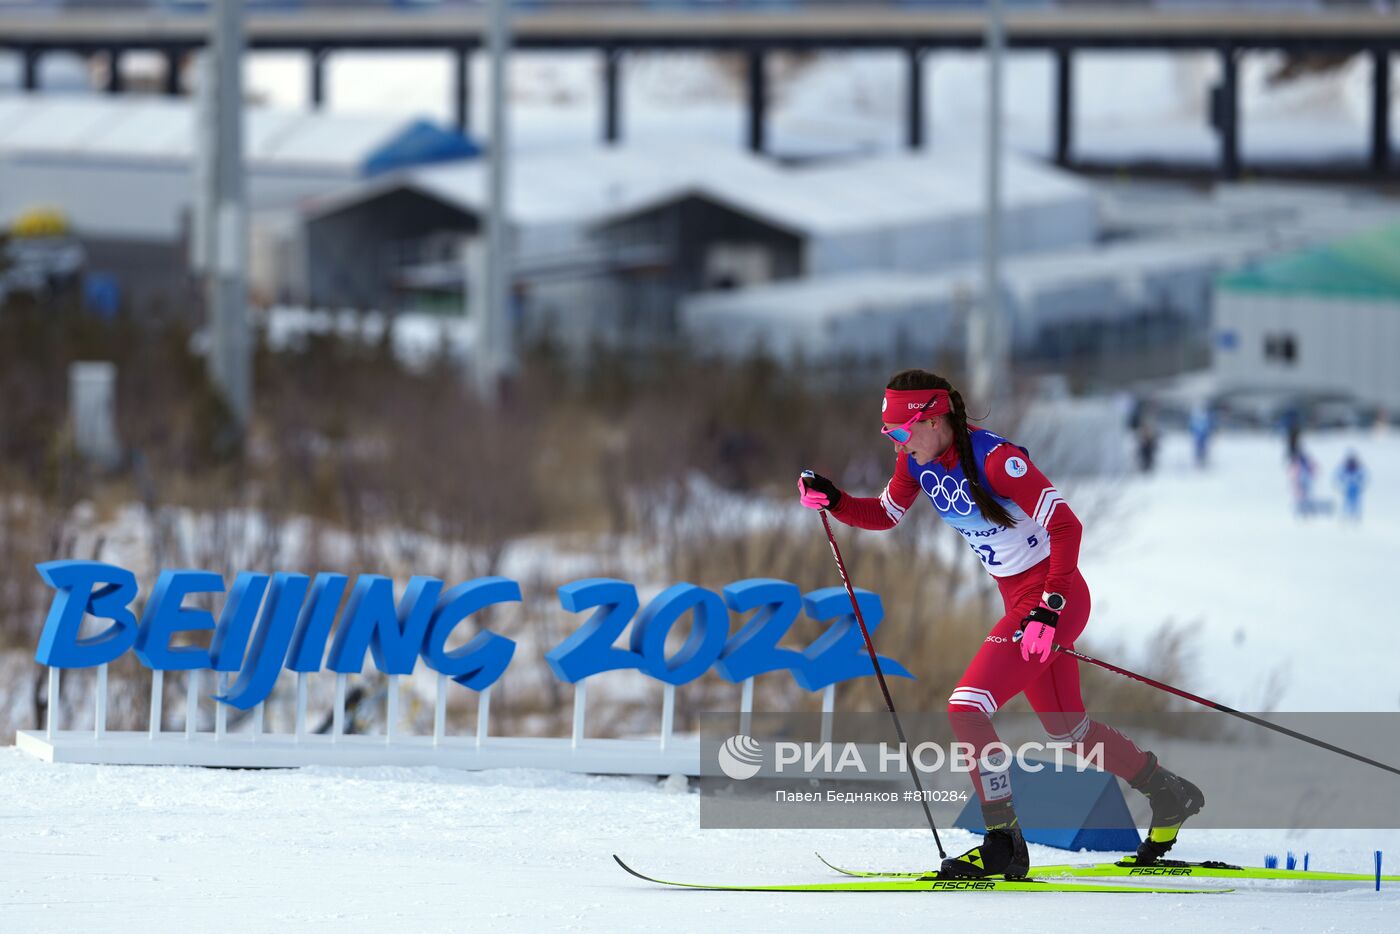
{"type": "Point", "coordinates": [1128, 104]}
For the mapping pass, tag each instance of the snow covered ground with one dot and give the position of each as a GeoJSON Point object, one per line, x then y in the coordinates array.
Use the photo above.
{"type": "Point", "coordinates": [119, 848]}
{"type": "Point", "coordinates": [128, 849]}
{"type": "Point", "coordinates": [1270, 591]}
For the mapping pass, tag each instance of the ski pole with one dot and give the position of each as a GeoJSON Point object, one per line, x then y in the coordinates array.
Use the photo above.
{"type": "Point", "coordinates": [1206, 702]}
{"type": "Point", "coordinates": [880, 676]}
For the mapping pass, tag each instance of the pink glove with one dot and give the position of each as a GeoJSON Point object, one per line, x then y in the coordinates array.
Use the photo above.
{"type": "Point", "coordinates": [1037, 635]}
{"type": "Point", "coordinates": [1037, 639]}
{"type": "Point", "coordinates": [817, 492]}
{"type": "Point", "coordinates": [812, 499]}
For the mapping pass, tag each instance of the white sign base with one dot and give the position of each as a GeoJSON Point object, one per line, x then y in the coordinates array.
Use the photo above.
{"type": "Point", "coordinates": [680, 755]}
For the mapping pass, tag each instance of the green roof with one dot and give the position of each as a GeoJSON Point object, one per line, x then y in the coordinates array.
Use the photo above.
{"type": "Point", "coordinates": [1364, 266]}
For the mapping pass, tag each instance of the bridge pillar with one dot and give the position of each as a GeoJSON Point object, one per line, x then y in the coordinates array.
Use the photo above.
{"type": "Point", "coordinates": [612, 124]}
{"type": "Point", "coordinates": [1064, 106]}
{"type": "Point", "coordinates": [318, 78]}
{"type": "Point", "coordinates": [462, 88]}
{"type": "Point", "coordinates": [1226, 111]}
{"type": "Point", "coordinates": [1380, 110]}
{"type": "Point", "coordinates": [758, 100]}
{"type": "Point", "coordinates": [914, 99]}
{"type": "Point", "coordinates": [115, 82]}
{"type": "Point", "coordinates": [173, 58]}
{"type": "Point", "coordinates": [32, 59]}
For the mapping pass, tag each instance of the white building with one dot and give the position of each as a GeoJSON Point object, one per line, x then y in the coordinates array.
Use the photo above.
{"type": "Point", "coordinates": [122, 169]}
{"type": "Point", "coordinates": [1325, 319]}
{"type": "Point", "coordinates": [609, 240]}
{"type": "Point", "coordinates": [1056, 303]}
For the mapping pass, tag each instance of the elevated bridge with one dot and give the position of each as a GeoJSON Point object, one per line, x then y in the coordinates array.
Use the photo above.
{"type": "Point", "coordinates": [915, 28]}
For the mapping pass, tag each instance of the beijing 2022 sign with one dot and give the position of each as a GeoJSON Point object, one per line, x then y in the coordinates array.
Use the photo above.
{"type": "Point", "coordinates": [271, 622]}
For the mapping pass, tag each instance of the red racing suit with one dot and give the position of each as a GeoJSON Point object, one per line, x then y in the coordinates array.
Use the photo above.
{"type": "Point", "coordinates": [1038, 552]}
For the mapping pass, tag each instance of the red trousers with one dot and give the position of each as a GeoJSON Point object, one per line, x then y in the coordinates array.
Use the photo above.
{"type": "Point", "coordinates": [998, 673]}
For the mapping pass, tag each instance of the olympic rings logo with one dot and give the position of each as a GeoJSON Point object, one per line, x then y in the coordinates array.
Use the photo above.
{"type": "Point", "coordinates": [948, 495]}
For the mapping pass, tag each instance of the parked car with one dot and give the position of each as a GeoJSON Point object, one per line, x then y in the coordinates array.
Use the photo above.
{"type": "Point", "coordinates": [1269, 408]}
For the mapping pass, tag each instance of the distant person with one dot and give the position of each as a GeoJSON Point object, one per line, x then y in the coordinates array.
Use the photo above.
{"type": "Point", "coordinates": [1132, 407]}
{"type": "Point", "coordinates": [1301, 473]}
{"type": "Point", "coordinates": [1292, 424]}
{"type": "Point", "coordinates": [1147, 438]}
{"type": "Point", "coordinates": [1202, 426]}
{"type": "Point", "coordinates": [1351, 477]}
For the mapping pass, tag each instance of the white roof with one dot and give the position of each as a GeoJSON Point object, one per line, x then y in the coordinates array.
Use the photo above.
{"type": "Point", "coordinates": [598, 183]}
{"type": "Point", "coordinates": [1132, 258]}
{"type": "Point", "coordinates": [162, 128]}
{"type": "Point", "coordinates": [867, 193]}
{"type": "Point", "coordinates": [816, 299]}
{"type": "Point", "coordinates": [870, 193]}
{"type": "Point", "coordinates": [576, 184]}
{"type": "Point", "coordinates": [820, 298]}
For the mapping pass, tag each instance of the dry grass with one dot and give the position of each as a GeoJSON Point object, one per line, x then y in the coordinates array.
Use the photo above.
{"type": "Point", "coordinates": [388, 471]}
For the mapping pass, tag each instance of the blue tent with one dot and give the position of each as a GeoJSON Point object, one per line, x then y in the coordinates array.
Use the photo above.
{"type": "Point", "coordinates": [421, 143]}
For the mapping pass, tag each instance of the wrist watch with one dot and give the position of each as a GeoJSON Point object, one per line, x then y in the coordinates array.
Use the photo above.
{"type": "Point", "coordinates": [1052, 601]}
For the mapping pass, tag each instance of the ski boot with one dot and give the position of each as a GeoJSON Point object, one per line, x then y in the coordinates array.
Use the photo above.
{"type": "Point", "coordinates": [1002, 851]}
{"type": "Point", "coordinates": [1173, 800]}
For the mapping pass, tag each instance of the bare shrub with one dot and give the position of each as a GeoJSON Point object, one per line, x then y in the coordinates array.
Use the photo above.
{"type": "Point", "coordinates": [29, 534]}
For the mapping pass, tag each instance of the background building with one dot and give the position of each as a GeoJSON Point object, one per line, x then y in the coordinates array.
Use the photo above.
{"type": "Point", "coordinates": [121, 170]}
{"type": "Point", "coordinates": [1322, 319]}
{"type": "Point", "coordinates": [610, 241]}
{"type": "Point", "coordinates": [1126, 309]}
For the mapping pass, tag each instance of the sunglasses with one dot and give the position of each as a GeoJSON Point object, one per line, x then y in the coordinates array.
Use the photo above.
{"type": "Point", "coordinates": [901, 434]}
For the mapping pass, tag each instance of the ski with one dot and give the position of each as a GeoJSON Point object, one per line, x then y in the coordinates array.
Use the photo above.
{"type": "Point", "coordinates": [1163, 868]}
{"type": "Point", "coordinates": [928, 884]}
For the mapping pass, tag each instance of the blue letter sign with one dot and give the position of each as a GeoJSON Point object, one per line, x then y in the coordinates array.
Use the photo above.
{"type": "Point", "coordinates": [270, 623]}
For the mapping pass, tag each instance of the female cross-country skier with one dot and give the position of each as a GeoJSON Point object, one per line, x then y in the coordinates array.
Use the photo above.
{"type": "Point", "coordinates": [1028, 538]}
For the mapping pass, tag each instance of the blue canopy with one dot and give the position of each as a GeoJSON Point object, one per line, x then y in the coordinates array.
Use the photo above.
{"type": "Point", "coordinates": [421, 143]}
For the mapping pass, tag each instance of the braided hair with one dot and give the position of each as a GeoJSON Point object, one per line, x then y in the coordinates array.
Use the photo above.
{"type": "Point", "coordinates": [962, 440]}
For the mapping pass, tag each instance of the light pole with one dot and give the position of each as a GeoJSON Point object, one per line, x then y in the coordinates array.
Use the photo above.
{"type": "Point", "coordinates": [986, 338]}
{"type": "Point", "coordinates": [222, 239]}
{"type": "Point", "coordinates": [495, 340]}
